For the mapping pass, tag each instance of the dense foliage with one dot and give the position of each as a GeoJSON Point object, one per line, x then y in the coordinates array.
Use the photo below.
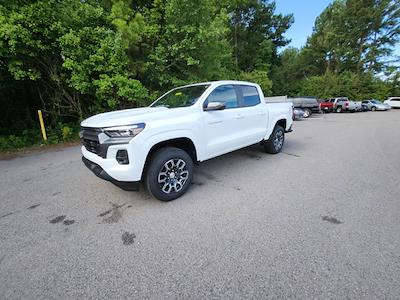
{"type": "Point", "coordinates": [74, 58]}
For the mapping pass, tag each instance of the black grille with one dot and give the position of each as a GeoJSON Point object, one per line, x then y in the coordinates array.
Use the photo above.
{"type": "Point", "coordinates": [90, 140]}
{"type": "Point", "coordinates": [92, 146]}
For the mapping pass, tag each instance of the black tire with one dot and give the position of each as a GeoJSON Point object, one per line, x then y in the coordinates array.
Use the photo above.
{"type": "Point", "coordinates": [166, 163]}
{"type": "Point", "coordinates": [339, 109]}
{"type": "Point", "coordinates": [275, 142]}
{"type": "Point", "coordinates": [307, 113]}
{"type": "Point", "coordinates": [373, 108]}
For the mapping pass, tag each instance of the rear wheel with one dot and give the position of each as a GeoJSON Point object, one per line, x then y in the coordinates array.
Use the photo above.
{"type": "Point", "coordinates": [169, 174]}
{"type": "Point", "coordinates": [307, 113]}
{"type": "Point", "coordinates": [373, 108]}
{"type": "Point", "coordinates": [275, 142]}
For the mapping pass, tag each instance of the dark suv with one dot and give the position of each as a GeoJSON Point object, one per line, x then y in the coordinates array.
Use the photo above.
{"type": "Point", "coordinates": [308, 104]}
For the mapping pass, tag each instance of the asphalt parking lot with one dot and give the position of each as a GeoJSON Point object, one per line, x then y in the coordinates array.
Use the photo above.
{"type": "Point", "coordinates": [320, 220]}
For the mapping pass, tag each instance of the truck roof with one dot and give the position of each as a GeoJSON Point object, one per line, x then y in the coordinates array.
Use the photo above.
{"type": "Point", "coordinates": [219, 82]}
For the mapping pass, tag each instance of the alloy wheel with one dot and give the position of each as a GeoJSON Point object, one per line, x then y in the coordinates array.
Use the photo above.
{"type": "Point", "coordinates": [278, 140]}
{"type": "Point", "coordinates": [173, 175]}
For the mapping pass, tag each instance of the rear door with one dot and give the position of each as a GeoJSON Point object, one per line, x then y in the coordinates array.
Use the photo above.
{"type": "Point", "coordinates": [253, 114]}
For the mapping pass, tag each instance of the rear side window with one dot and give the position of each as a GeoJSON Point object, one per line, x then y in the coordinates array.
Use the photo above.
{"type": "Point", "coordinates": [311, 101]}
{"type": "Point", "coordinates": [395, 99]}
{"type": "Point", "coordinates": [225, 94]}
{"type": "Point", "coordinates": [250, 96]}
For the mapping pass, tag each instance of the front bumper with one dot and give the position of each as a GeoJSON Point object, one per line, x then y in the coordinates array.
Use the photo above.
{"type": "Point", "coordinates": [99, 172]}
{"type": "Point", "coordinates": [382, 108]}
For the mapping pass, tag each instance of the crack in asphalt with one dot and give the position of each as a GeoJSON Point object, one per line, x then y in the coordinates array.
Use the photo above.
{"type": "Point", "coordinates": [332, 220]}
{"type": "Point", "coordinates": [291, 154]}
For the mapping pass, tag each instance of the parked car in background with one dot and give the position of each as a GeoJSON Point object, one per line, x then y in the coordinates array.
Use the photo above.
{"type": "Point", "coordinates": [338, 103]}
{"type": "Point", "coordinates": [326, 105]}
{"type": "Point", "coordinates": [393, 102]}
{"type": "Point", "coordinates": [364, 106]}
{"type": "Point", "coordinates": [308, 104]}
{"type": "Point", "coordinates": [375, 105]}
{"type": "Point", "coordinates": [298, 114]}
{"type": "Point", "coordinates": [342, 104]}
{"type": "Point", "coordinates": [358, 105]}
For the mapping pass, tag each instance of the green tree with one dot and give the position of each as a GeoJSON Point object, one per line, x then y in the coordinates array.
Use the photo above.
{"type": "Point", "coordinates": [287, 73]}
{"type": "Point", "coordinates": [259, 77]}
{"type": "Point", "coordinates": [257, 32]}
{"type": "Point", "coordinates": [68, 54]}
{"type": "Point", "coordinates": [185, 42]}
{"type": "Point", "coordinates": [355, 35]}
{"type": "Point", "coordinates": [98, 67]}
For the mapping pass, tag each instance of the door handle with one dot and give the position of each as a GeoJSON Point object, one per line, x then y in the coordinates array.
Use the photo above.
{"type": "Point", "coordinates": [262, 114]}
{"type": "Point", "coordinates": [239, 117]}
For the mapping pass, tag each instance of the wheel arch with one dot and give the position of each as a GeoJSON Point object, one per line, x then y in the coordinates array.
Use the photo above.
{"type": "Point", "coordinates": [282, 123]}
{"type": "Point", "coordinates": [183, 143]}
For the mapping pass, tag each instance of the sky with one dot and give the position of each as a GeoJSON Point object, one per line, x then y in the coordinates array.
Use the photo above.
{"type": "Point", "coordinates": [305, 13]}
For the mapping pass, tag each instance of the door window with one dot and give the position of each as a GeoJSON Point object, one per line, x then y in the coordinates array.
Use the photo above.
{"type": "Point", "coordinates": [225, 94]}
{"type": "Point", "coordinates": [250, 96]}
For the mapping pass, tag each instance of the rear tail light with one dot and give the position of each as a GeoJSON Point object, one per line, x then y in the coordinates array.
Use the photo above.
{"type": "Point", "coordinates": [347, 104]}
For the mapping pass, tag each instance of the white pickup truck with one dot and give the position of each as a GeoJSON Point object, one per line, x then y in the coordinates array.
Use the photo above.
{"type": "Point", "coordinates": [159, 144]}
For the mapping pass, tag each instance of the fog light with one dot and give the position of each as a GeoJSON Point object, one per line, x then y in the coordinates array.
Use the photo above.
{"type": "Point", "coordinates": [122, 157]}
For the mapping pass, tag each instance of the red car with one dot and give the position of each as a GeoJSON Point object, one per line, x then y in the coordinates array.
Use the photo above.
{"type": "Point", "coordinates": [326, 105]}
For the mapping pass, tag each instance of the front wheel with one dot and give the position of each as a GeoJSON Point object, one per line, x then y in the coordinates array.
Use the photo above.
{"type": "Point", "coordinates": [275, 142]}
{"type": "Point", "coordinates": [373, 108]}
{"type": "Point", "coordinates": [339, 109]}
{"type": "Point", "coordinates": [169, 174]}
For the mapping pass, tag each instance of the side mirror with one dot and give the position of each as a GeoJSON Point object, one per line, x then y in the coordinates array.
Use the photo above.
{"type": "Point", "coordinates": [215, 106]}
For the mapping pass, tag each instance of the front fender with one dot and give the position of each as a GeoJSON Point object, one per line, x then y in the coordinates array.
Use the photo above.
{"type": "Point", "coordinates": [141, 147]}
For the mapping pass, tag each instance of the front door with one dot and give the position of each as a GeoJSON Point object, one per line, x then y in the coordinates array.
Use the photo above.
{"type": "Point", "coordinates": [223, 128]}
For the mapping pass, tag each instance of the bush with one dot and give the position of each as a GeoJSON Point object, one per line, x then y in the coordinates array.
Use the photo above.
{"type": "Point", "coordinates": [26, 138]}
{"type": "Point", "coordinates": [354, 86]}
{"type": "Point", "coordinates": [32, 137]}
{"type": "Point", "coordinates": [67, 133]}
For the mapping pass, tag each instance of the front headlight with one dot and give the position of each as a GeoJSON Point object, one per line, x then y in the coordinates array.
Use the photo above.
{"type": "Point", "coordinates": [128, 131]}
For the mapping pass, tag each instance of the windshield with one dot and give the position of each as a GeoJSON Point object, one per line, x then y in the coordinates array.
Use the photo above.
{"type": "Point", "coordinates": [181, 97]}
{"type": "Point", "coordinates": [375, 101]}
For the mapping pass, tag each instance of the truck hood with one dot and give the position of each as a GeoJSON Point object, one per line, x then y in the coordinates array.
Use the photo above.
{"type": "Point", "coordinates": [126, 117]}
